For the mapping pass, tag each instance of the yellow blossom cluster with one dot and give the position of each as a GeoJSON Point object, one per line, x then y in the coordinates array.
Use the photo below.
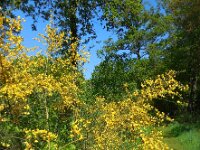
{"type": "Point", "coordinates": [5, 145]}
{"type": "Point", "coordinates": [153, 141]}
{"type": "Point", "coordinates": [42, 92]}
{"type": "Point", "coordinates": [75, 130]}
{"type": "Point", "coordinates": [118, 125]}
{"type": "Point", "coordinates": [128, 124]}
{"type": "Point", "coordinates": [22, 75]}
{"type": "Point", "coordinates": [10, 43]}
{"type": "Point", "coordinates": [33, 137]}
{"type": "Point", "coordinates": [163, 85]}
{"type": "Point", "coordinates": [37, 89]}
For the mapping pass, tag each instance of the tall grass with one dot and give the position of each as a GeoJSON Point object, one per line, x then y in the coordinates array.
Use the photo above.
{"type": "Point", "coordinates": [182, 136]}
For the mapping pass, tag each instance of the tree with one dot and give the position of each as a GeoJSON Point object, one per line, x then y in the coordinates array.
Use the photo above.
{"type": "Point", "coordinates": [112, 77]}
{"type": "Point", "coordinates": [183, 52]}
{"type": "Point", "coordinates": [137, 27]}
{"type": "Point", "coordinates": [71, 16]}
{"type": "Point", "coordinates": [136, 54]}
{"type": "Point", "coordinates": [36, 92]}
{"type": "Point", "coordinates": [118, 73]}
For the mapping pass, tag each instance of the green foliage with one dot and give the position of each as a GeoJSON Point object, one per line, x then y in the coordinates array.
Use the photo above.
{"type": "Point", "coordinates": [175, 129]}
{"type": "Point", "coordinates": [136, 55]}
{"type": "Point", "coordinates": [184, 136]}
{"type": "Point", "coordinates": [38, 94]}
{"type": "Point", "coordinates": [182, 47]}
{"type": "Point", "coordinates": [45, 103]}
{"type": "Point", "coordinates": [112, 78]}
{"type": "Point", "coordinates": [117, 73]}
{"type": "Point", "coordinates": [139, 30]}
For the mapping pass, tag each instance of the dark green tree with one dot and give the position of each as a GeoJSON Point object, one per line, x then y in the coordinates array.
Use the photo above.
{"type": "Point", "coordinates": [112, 77]}
{"type": "Point", "coordinates": [140, 31]}
{"type": "Point", "coordinates": [137, 26]}
{"type": "Point", "coordinates": [183, 46]}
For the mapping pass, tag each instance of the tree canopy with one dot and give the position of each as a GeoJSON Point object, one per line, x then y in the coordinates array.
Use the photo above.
{"type": "Point", "coordinates": [147, 78]}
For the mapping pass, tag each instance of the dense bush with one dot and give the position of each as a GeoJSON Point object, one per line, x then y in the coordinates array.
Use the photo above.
{"type": "Point", "coordinates": [40, 105]}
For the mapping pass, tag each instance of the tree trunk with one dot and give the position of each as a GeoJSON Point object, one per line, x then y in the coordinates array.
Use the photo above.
{"type": "Point", "coordinates": [193, 89]}
{"type": "Point", "coordinates": [73, 28]}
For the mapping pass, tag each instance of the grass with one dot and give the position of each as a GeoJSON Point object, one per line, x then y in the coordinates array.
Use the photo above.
{"type": "Point", "coordinates": [182, 136]}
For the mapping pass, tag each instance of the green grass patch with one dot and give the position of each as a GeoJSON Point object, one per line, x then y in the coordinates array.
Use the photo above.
{"type": "Point", "coordinates": [182, 136]}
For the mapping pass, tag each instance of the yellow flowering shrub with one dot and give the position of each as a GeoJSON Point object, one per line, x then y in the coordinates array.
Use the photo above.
{"type": "Point", "coordinates": [36, 91]}
{"type": "Point", "coordinates": [163, 85]}
{"type": "Point", "coordinates": [128, 124]}
{"type": "Point", "coordinates": [118, 125]}
{"type": "Point", "coordinates": [35, 137]}
{"type": "Point", "coordinates": [40, 105]}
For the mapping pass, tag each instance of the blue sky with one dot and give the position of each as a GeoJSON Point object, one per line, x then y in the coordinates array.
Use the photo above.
{"type": "Point", "coordinates": [102, 35]}
{"type": "Point", "coordinates": [29, 42]}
